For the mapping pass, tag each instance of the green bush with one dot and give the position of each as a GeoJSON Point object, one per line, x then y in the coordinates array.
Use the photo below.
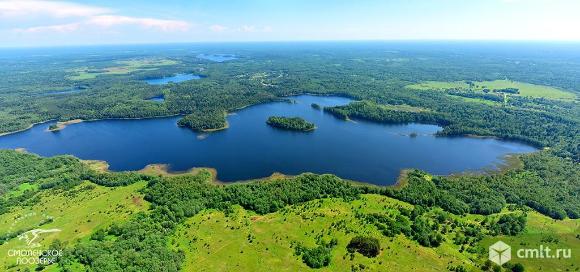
{"type": "Point", "coordinates": [367, 246]}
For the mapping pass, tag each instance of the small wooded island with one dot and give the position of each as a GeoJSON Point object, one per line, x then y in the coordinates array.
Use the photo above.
{"type": "Point", "coordinates": [290, 123]}
{"type": "Point", "coordinates": [205, 121]}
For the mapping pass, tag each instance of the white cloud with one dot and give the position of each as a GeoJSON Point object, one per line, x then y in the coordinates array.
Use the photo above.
{"type": "Point", "coordinates": [218, 28]}
{"type": "Point", "coordinates": [72, 17]}
{"type": "Point", "coordinates": [64, 28]}
{"type": "Point", "coordinates": [108, 21]}
{"type": "Point", "coordinates": [24, 8]}
{"type": "Point", "coordinates": [159, 24]}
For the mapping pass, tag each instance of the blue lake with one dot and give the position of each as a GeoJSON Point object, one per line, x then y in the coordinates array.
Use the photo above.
{"type": "Point", "coordinates": [172, 79]}
{"type": "Point", "coordinates": [158, 99]}
{"type": "Point", "coordinates": [249, 148]}
{"type": "Point", "coordinates": [72, 90]}
{"type": "Point", "coordinates": [217, 57]}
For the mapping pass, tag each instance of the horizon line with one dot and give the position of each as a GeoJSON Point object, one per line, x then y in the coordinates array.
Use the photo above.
{"type": "Point", "coordinates": [295, 41]}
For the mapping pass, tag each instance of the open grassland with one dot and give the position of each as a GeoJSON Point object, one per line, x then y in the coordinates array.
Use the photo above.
{"type": "Point", "coordinates": [244, 241]}
{"type": "Point", "coordinates": [124, 67]}
{"type": "Point", "coordinates": [237, 239]}
{"type": "Point", "coordinates": [240, 240]}
{"type": "Point", "coordinates": [22, 188]}
{"type": "Point", "coordinates": [526, 89]}
{"type": "Point", "coordinates": [76, 213]}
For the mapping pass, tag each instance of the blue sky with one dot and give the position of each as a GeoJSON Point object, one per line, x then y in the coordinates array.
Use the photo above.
{"type": "Point", "coordinates": [48, 23]}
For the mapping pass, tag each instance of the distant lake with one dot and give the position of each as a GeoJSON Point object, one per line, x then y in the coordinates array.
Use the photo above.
{"type": "Point", "coordinates": [173, 79]}
{"type": "Point", "coordinates": [249, 148]}
{"type": "Point", "coordinates": [217, 57]}
{"type": "Point", "coordinates": [72, 90]}
{"type": "Point", "coordinates": [158, 99]}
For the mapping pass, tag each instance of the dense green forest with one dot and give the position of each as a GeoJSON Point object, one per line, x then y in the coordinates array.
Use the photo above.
{"type": "Point", "coordinates": [390, 115]}
{"type": "Point", "coordinates": [535, 185]}
{"type": "Point", "coordinates": [207, 120]}
{"type": "Point", "coordinates": [290, 123]}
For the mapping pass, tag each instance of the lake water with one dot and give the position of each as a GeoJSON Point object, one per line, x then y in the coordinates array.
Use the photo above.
{"type": "Point", "coordinates": [249, 149]}
{"type": "Point", "coordinates": [217, 57]}
{"type": "Point", "coordinates": [158, 99]}
{"type": "Point", "coordinates": [172, 79]}
{"type": "Point", "coordinates": [72, 90]}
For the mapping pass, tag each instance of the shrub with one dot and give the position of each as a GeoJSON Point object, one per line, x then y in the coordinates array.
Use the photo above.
{"type": "Point", "coordinates": [367, 246]}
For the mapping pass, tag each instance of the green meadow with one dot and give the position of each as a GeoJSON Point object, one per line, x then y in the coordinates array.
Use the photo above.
{"type": "Point", "coordinates": [77, 213]}
{"type": "Point", "coordinates": [526, 89]}
{"type": "Point", "coordinates": [123, 67]}
{"type": "Point", "coordinates": [244, 241]}
{"type": "Point", "coordinates": [240, 240]}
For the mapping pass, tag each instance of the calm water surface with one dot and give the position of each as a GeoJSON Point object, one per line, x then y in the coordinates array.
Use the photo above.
{"type": "Point", "coordinates": [158, 99]}
{"type": "Point", "coordinates": [217, 57]}
{"type": "Point", "coordinates": [72, 90]}
{"type": "Point", "coordinates": [174, 79]}
{"type": "Point", "coordinates": [249, 149]}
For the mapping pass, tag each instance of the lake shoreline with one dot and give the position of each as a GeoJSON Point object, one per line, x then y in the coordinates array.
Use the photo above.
{"type": "Point", "coordinates": [509, 162]}
{"type": "Point", "coordinates": [252, 150]}
{"type": "Point", "coordinates": [25, 129]}
{"type": "Point", "coordinates": [226, 126]}
{"type": "Point", "coordinates": [62, 125]}
{"type": "Point", "coordinates": [143, 118]}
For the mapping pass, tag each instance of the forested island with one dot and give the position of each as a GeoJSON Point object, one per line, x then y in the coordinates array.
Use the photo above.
{"type": "Point", "coordinates": [205, 121]}
{"type": "Point", "coordinates": [290, 123]}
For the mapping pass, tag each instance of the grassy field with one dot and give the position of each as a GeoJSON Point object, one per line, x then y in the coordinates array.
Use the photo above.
{"type": "Point", "coordinates": [21, 189]}
{"type": "Point", "coordinates": [76, 213]}
{"type": "Point", "coordinates": [241, 240]}
{"type": "Point", "coordinates": [125, 67]}
{"type": "Point", "coordinates": [526, 89]}
{"type": "Point", "coordinates": [244, 241]}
